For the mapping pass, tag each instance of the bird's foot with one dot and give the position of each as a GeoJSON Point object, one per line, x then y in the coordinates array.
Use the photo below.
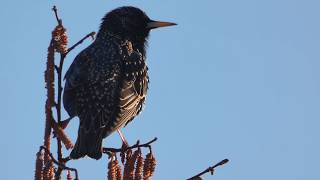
{"type": "Point", "coordinates": [125, 153]}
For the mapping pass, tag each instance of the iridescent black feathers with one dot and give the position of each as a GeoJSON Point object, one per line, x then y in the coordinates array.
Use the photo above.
{"type": "Point", "coordinates": [107, 83]}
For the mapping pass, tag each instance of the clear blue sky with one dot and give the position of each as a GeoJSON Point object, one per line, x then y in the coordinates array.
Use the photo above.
{"type": "Point", "coordinates": [235, 79]}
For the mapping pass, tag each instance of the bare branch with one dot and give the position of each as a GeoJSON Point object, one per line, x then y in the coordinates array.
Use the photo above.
{"type": "Point", "coordinates": [55, 10]}
{"type": "Point", "coordinates": [92, 34]}
{"type": "Point", "coordinates": [209, 169]}
{"type": "Point", "coordinates": [137, 145]}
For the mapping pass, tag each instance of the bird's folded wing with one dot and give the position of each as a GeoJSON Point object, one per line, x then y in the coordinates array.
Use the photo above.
{"type": "Point", "coordinates": [134, 87]}
{"type": "Point", "coordinates": [92, 89]}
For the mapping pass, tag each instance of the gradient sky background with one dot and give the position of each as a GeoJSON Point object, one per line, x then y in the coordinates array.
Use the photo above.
{"type": "Point", "coordinates": [235, 79]}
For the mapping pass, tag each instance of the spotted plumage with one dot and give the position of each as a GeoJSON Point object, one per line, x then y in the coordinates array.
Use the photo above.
{"type": "Point", "coordinates": [107, 83]}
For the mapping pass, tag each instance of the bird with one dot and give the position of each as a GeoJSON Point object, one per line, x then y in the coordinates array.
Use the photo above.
{"type": "Point", "coordinates": [107, 83]}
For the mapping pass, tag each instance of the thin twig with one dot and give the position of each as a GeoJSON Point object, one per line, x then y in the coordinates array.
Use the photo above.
{"type": "Point", "coordinates": [59, 164]}
{"type": "Point", "coordinates": [81, 41]}
{"type": "Point", "coordinates": [60, 87]}
{"type": "Point", "coordinates": [137, 145]}
{"type": "Point", "coordinates": [58, 106]}
{"type": "Point", "coordinates": [209, 169]}
{"type": "Point", "coordinates": [55, 10]}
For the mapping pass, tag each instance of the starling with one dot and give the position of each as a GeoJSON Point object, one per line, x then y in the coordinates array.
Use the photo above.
{"type": "Point", "coordinates": [107, 83]}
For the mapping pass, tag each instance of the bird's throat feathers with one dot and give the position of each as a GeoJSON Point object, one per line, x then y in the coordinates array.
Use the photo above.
{"type": "Point", "coordinates": [138, 43]}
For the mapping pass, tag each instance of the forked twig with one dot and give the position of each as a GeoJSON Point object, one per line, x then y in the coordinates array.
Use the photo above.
{"type": "Point", "coordinates": [59, 164]}
{"type": "Point", "coordinates": [137, 145]}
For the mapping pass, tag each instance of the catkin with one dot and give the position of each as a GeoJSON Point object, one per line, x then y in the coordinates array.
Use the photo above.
{"type": "Point", "coordinates": [139, 167]}
{"type": "Point", "coordinates": [125, 154]}
{"type": "Point", "coordinates": [149, 166]}
{"type": "Point", "coordinates": [128, 173]}
{"type": "Point", "coordinates": [118, 171]}
{"type": "Point", "coordinates": [48, 173]}
{"type": "Point", "coordinates": [128, 154]}
{"type": "Point", "coordinates": [60, 39]}
{"type": "Point", "coordinates": [123, 157]}
{"type": "Point", "coordinates": [39, 166]}
{"type": "Point", "coordinates": [112, 170]}
{"type": "Point", "coordinates": [49, 79]}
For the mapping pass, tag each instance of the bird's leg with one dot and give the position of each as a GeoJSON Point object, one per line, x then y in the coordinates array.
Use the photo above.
{"type": "Point", "coordinates": [124, 141]}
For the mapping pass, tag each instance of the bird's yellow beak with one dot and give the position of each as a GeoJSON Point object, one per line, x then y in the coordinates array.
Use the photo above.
{"type": "Point", "coordinates": [157, 24]}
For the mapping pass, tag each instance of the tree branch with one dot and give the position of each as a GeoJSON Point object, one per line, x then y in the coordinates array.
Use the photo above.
{"type": "Point", "coordinates": [137, 145]}
{"type": "Point", "coordinates": [58, 106]}
{"type": "Point", "coordinates": [209, 169]}
{"type": "Point", "coordinates": [55, 10]}
{"type": "Point", "coordinates": [92, 34]}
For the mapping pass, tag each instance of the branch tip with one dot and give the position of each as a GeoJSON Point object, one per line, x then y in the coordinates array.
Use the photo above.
{"type": "Point", "coordinates": [55, 10]}
{"type": "Point", "coordinates": [209, 169]}
{"type": "Point", "coordinates": [92, 35]}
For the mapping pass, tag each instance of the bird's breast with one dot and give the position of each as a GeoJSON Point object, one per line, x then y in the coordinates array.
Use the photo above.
{"type": "Point", "coordinates": [134, 85]}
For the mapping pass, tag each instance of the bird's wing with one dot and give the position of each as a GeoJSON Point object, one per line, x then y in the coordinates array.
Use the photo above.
{"type": "Point", "coordinates": [92, 88]}
{"type": "Point", "coordinates": [91, 93]}
{"type": "Point", "coordinates": [134, 87]}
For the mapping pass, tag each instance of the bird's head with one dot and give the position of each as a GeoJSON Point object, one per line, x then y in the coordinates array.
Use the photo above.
{"type": "Point", "coordinates": [130, 23]}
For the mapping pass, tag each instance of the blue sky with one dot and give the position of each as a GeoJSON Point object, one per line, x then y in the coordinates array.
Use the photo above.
{"type": "Point", "coordinates": [235, 79]}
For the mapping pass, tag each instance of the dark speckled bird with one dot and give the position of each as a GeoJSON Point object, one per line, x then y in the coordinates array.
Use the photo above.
{"type": "Point", "coordinates": [107, 83]}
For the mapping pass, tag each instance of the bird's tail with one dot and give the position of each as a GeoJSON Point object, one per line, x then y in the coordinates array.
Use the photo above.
{"type": "Point", "coordinates": [88, 143]}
